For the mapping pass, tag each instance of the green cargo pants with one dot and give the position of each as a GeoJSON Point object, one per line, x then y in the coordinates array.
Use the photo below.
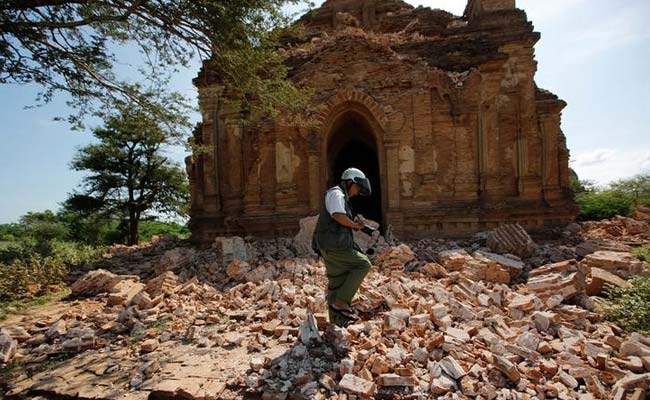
{"type": "Point", "coordinates": [345, 271]}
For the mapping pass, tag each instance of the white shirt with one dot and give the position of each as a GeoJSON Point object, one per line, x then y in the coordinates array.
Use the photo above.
{"type": "Point", "coordinates": [335, 201]}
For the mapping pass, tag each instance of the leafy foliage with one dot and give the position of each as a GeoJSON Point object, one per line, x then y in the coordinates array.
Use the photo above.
{"type": "Point", "coordinates": [151, 228]}
{"type": "Point", "coordinates": [11, 232]}
{"type": "Point", "coordinates": [32, 269]}
{"type": "Point", "coordinates": [630, 308]}
{"type": "Point", "coordinates": [603, 204]}
{"type": "Point", "coordinates": [637, 189]}
{"type": "Point", "coordinates": [68, 46]}
{"type": "Point", "coordinates": [642, 253]}
{"type": "Point", "coordinates": [619, 198]}
{"type": "Point", "coordinates": [129, 174]}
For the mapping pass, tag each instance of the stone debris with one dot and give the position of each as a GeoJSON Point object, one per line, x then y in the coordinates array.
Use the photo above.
{"type": "Point", "coordinates": [395, 257]}
{"type": "Point", "coordinates": [622, 229]}
{"type": "Point", "coordinates": [591, 246]}
{"type": "Point", "coordinates": [357, 386]}
{"type": "Point", "coordinates": [642, 213]}
{"type": "Point", "coordinates": [16, 332]}
{"type": "Point", "coordinates": [600, 279]}
{"type": "Point", "coordinates": [302, 240]}
{"type": "Point", "coordinates": [618, 263]}
{"type": "Point", "coordinates": [56, 330]}
{"type": "Point", "coordinates": [149, 345]}
{"type": "Point", "coordinates": [308, 331]}
{"type": "Point", "coordinates": [495, 268]}
{"type": "Point", "coordinates": [8, 348]}
{"type": "Point", "coordinates": [101, 281]}
{"type": "Point", "coordinates": [438, 318]}
{"type": "Point", "coordinates": [511, 239]}
{"type": "Point", "coordinates": [229, 249]}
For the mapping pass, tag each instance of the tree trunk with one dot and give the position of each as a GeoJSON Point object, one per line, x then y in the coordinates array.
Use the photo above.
{"type": "Point", "coordinates": [134, 220]}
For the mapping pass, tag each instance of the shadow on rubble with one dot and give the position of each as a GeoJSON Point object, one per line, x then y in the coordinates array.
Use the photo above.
{"type": "Point", "coordinates": [168, 285]}
{"type": "Point", "coordinates": [309, 366]}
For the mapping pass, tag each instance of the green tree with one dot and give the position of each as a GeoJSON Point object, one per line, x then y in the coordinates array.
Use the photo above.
{"type": "Point", "coordinates": [69, 46]}
{"type": "Point", "coordinates": [11, 232]}
{"type": "Point", "coordinates": [91, 228]}
{"type": "Point", "coordinates": [618, 198]}
{"type": "Point", "coordinates": [638, 188]}
{"type": "Point", "coordinates": [602, 204]}
{"type": "Point", "coordinates": [128, 173]}
{"type": "Point", "coordinates": [580, 186]}
{"type": "Point", "coordinates": [44, 226]}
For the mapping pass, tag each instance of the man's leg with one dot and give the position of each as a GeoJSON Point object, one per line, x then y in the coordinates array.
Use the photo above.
{"type": "Point", "coordinates": [345, 272]}
{"type": "Point", "coordinates": [336, 275]}
{"type": "Point", "coordinates": [358, 266]}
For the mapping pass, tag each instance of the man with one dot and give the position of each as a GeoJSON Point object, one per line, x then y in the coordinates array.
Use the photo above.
{"type": "Point", "coordinates": [345, 264]}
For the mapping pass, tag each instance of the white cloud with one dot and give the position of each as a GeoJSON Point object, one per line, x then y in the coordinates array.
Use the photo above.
{"type": "Point", "coordinates": [588, 29]}
{"type": "Point", "coordinates": [593, 157]}
{"type": "Point", "coordinates": [627, 27]}
{"type": "Point", "coordinates": [606, 165]}
{"type": "Point", "coordinates": [645, 165]}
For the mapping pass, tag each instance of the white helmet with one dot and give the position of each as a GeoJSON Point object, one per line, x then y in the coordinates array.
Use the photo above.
{"type": "Point", "coordinates": [359, 178]}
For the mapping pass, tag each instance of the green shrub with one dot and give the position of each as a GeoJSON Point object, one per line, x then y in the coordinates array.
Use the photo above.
{"type": "Point", "coordinates": [31, 277]}
{"type": "Point", "coordinates": [642, 253]}
{"type": "Point", "coordinates": [34, 269]}
{"type": "Point", "coordinates": [630, 308]}
{"type": "Point", "coordinates": [11, 232]}
{"type": "Point", "coordinates": [604, 204]}
{"type": "Point", "coordinates": [151, 228]}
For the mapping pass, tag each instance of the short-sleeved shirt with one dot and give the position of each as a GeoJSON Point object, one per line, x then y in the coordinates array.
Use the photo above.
{"type": "Point", "coordinates": [335, 201]}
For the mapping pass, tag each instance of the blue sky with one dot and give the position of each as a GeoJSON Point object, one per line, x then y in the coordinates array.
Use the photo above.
{"type": "Point", "coordinates": [594, 54]}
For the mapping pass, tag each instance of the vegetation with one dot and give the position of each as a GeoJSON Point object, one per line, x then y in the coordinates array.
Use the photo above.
{"type": "Point", "coordinates": [642, 253]}
{"type": "Point", "coordinates": [129, 175]}
{"type": "Point", "coordinates": [71, 46]}
{"type": "Point", "coordinates": [37, 262]}
{"type": "Point", "coordinates": [619, 198]}
{"type": "Point", "coordinates": [38, 251]}
{"type": "Point", "coordinates": [151, 228]}
{"type": "Point", "coordinates": [79, 48]}
{"type": "Point", "coordinates": [630, 308]}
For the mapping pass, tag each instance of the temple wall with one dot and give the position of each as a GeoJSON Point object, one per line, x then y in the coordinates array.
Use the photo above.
{"type": "Point", "coordinates": [459, 152]}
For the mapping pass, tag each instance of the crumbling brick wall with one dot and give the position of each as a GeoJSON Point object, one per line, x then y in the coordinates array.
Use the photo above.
{"type": "Point", "coordinates": [462, 137]}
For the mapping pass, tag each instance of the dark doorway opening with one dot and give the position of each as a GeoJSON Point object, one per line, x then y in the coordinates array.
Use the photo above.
{"type": "Point", "coordinates": [352, 144]}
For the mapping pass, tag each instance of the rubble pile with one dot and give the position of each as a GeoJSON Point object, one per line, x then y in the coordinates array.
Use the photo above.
{"type": "Point", "coordinates": [642, 213]}
{"type": "Point", "coordinates": [241, 320]}
{"type": "Point", "coordinates": [457, 335]}
{"type": "Point", "coordinates": [621, 229]}
{"type": "Point", "coordinates": [512, 239]}
{"type": "Point", "coordinates": [159, 317]}
{"type": "Point", "coordinates": [208, 265]}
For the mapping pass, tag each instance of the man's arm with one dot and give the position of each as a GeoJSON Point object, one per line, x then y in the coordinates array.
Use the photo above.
{"type": "Point", "coordinates": [345, 221]}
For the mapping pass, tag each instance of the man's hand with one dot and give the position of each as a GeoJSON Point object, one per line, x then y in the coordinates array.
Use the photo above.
{"type": "Point", "coordinates": [345, 221]}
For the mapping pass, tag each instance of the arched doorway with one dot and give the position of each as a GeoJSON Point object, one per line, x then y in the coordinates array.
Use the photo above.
{"type": "Point", "coordinates": [352, 144]}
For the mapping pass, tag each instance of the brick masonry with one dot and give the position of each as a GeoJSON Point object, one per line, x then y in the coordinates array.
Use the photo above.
{"type": "Point", "coordinates": [442, 111]}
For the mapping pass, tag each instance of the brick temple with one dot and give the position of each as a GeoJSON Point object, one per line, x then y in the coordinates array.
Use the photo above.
{"type": "Point", "coordinates": [441, 111]}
